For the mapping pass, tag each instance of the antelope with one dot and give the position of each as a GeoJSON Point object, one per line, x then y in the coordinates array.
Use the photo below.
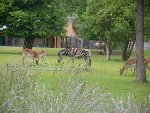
{"type": "Point", "coordinates": [28, 53]}
{"type": "Point", "coordinates": [132, 63]}
{"type": "Point", "coordinates": [41, 55]}
{"type": "Point", "coordinates": [76, 53]}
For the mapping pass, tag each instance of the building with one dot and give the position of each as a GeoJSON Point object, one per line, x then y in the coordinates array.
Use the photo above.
{"type": "Point", "coordinates": [71, 39]}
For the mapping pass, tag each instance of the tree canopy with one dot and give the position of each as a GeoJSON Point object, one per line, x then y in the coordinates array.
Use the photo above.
{"type": "Point", "coordinates": [110, 21]}
{"type": "Point", "coordinates": [107, 20]}
{"type": "Point", "coordinates": [32, 18]}
{"type": "Point", "coordinates": [36, 18]}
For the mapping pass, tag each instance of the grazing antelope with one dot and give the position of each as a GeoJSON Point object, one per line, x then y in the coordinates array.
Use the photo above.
{"type": "Point", "coordinates": [28, 53]}
{"type": "Point", "coordinates": [132, 63]}
{"type": "Point", "coordinates": [76, 53]}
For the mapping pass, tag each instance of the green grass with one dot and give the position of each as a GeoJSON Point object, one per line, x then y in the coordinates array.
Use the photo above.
{"type": "Point", "coordinates": [103, 73]}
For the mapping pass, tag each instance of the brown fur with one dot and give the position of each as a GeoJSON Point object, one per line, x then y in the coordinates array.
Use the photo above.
{"type": "Point", "coordinates": [131, 63]}
{"type": "Point", "coordinates": [28, 53]}
{"type": "Point", "coordinates": [41, 55]}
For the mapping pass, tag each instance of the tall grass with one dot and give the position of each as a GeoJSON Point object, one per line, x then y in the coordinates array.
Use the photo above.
{"type": "Point", "coordinates": [22, 93]}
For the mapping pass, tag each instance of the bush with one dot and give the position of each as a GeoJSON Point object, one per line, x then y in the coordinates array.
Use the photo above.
{"type": "Point", "coordinates": [21, 93]}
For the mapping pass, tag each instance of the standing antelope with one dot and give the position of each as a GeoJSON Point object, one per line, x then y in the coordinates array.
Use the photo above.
{"type": "Point", "coordinates": [76, 53]}
{"type": "Point", "coordinates": [28, 53]}
{"type": "Point", "coordinates": [41, 55]}
{"type": "Point", "coordinates": [132, 63]}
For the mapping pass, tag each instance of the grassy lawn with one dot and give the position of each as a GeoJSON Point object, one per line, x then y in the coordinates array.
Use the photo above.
{"type": "Point", "coordinates": [103, 73]}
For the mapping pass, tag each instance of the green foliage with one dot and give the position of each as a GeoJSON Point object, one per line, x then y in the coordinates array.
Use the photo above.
{"type": "Point", "coordinates": [108, 20]}
{"type": "Point", "coordinates": [116, 17]}
{"type": "Point", "coordinates": [4, 8]}
{"type": "Point", "coordinates": [147, 19]}
{"type": "Point", "coordinates": [73, 7]}
{"type": "Point", "coordinates": [34, 18]}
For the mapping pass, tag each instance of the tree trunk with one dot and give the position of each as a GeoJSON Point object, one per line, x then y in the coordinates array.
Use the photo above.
{"type": "Point", "coordinates": [127, 48]}
{"type": "Point", "coordinates": [124, 49]}
{"type": "Point", "coordinates": [108, 53]}
{"type": "Point", "coordinates": [140, 67]}
{"type": "Point", "coordinates": [108, 50]}
{"type": "Point", "coordinates": [28, 43]}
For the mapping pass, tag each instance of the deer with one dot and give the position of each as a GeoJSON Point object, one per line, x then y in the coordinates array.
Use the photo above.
{"type": "Point", "coordinates": [35, 55]}
{"type": "Point", "coordinates": [130, 63]}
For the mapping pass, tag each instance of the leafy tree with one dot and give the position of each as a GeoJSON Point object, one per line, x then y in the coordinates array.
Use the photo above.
{"type": "Point", "coordinates": [34, 18]}
{"type": "Point", "coordinates": [140, 67]}
{"type": "Point", "coordinates": [110, 21]}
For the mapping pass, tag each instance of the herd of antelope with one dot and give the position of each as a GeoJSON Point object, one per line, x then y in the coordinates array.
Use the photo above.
{"type": "Point", "coordinates": [77, 53]}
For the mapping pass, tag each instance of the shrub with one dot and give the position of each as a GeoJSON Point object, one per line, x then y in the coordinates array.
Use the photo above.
{"type": "Point", "coordinates": [21, 93]}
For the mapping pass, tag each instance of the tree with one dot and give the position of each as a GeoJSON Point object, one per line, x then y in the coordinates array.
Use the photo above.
{"type": "Point", "coordinates": [31, 19]}
{"type": "Point", "coordinates": [130, 42]}
{"type": "Point", "coordinates": [110, 21]}
{"type": "Point", "coordinates": [140, 67]}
